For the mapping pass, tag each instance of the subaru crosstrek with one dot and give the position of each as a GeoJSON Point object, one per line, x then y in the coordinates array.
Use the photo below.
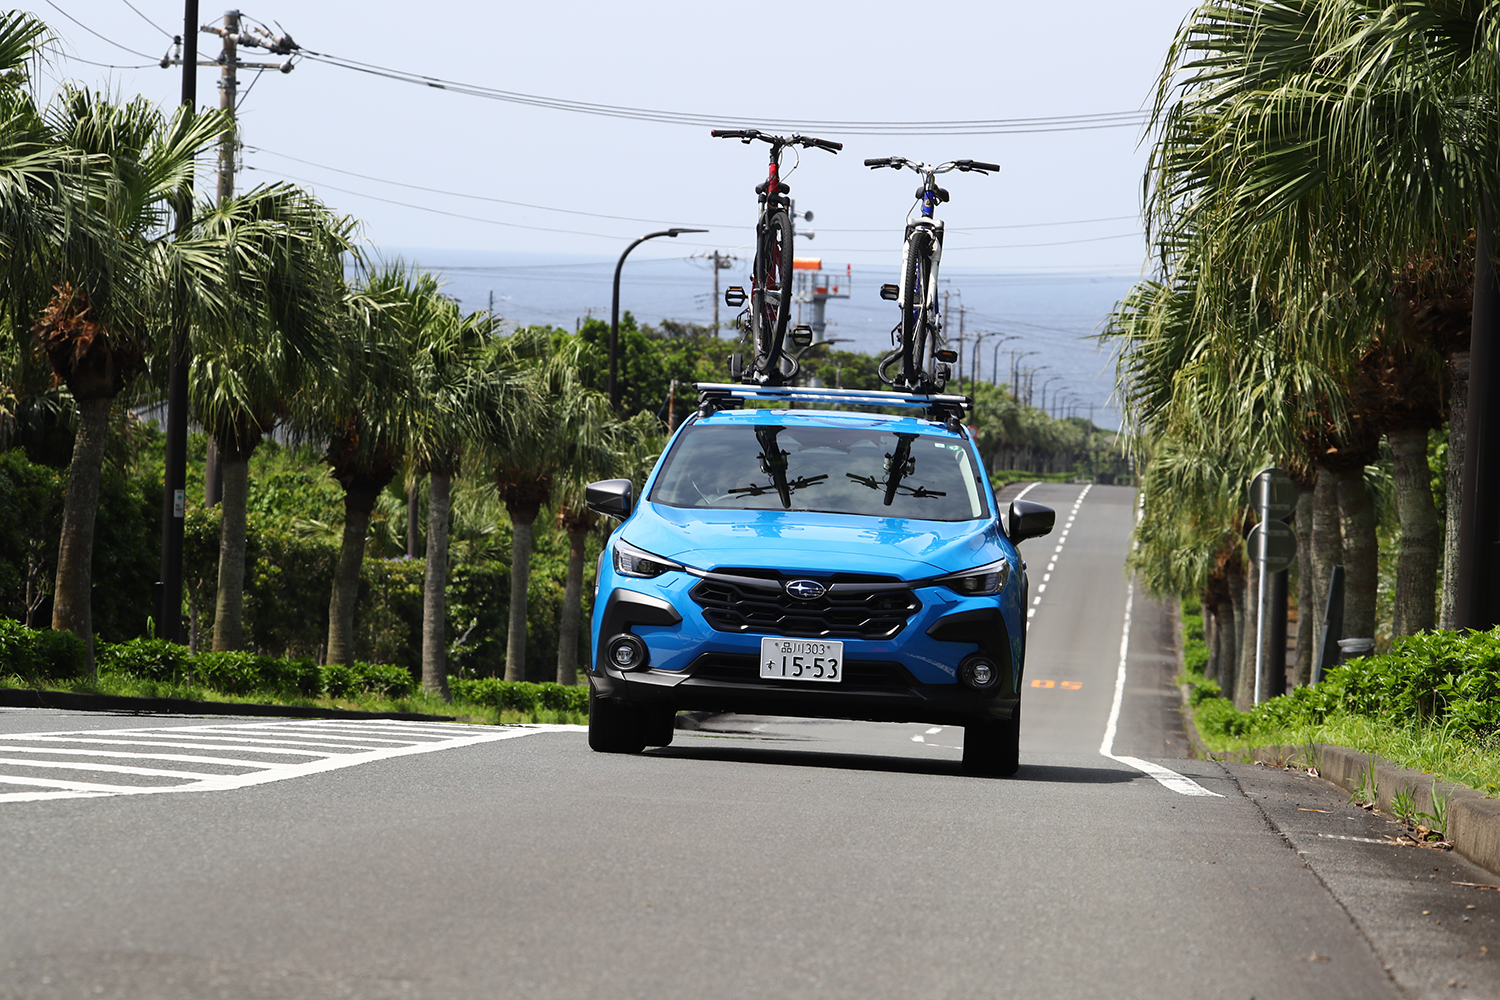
{"type": "Point", "coordinates": [813, 563]}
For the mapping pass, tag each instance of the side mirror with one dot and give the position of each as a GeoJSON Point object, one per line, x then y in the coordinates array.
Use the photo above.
{"type": "Point", "coordinates": [1027, 520]}
{"type": "Point", "coordinates": [612, 498]}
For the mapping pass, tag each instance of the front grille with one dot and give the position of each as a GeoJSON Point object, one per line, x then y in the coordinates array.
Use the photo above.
{"type": "Point", "coordinates": [737, 668]}
{"type": "Point", "coordinates": [854, 606]}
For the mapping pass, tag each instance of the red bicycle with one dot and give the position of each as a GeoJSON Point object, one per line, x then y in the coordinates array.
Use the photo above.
{"type": "Point", "coordinates": [771, 271]}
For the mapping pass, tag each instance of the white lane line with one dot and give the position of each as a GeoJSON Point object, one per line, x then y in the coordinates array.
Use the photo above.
{"type": "Point", "coordinates": [918, 739]}
{"type": "Point", "coordinates": [1025, 491]}
{"type": "Point", "coordinates": [1165, 776]}
{"type": "Point", "coordinates": [934, 730]}
{"type": "Point", "coordinates": [108, 768]}
{"type": "Point", "coordinates": [1042, 587]}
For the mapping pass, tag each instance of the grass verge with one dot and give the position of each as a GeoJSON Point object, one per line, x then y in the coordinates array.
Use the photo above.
{"type": "Point", "coordinates": [1428, 704]}
{"type": "Point", "coordinates": [462, 709]}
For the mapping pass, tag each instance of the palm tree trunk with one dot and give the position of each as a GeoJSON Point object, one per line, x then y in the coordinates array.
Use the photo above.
{"type": "Point", "coordinates": [1458, 418]}
{"type": "Point", "coordinates": [520, 578]}
{"type": "Point", "coordinates": [1361, 550]}
{"type": "Point", "coordinates": [1223, 651]}
{"type": "Point", "coordinates": [572, 609]}
{"type": "Point", "coordinates": [435, 588]}
{"type": "Point", "coordinates": [1307, 636]}
{"type": "Point", "coordinates": [359, 502]}
{"type": "Point", "coordinates": [413, 515]}
{"type": "Point", "coordinates": [72, 594]}
{"type": "Point", "coordinates": [1233, 645]}
{"type": "Point", "coordinates": [1327, 542]}
{"type": "Point", "coordinates": [1417, 564]}
{"type": "Point", "coordinates": [229, 612]}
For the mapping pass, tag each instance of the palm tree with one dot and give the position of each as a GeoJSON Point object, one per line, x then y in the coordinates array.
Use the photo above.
{"type": "Point", "coordinates": [459, 397]}
{"type": "Point", "coordinates": [1316, 148]}
{"type": "Point", "coordinates": [635, 445]}
{"type": "Point", "coordinates": [244, 379]}
{"type": "Point", "coordinates": [563, 423]}
{"type": "Point", "coordinates": [363, 409]}
{"type": "Point", "coordinates": [111, 266]}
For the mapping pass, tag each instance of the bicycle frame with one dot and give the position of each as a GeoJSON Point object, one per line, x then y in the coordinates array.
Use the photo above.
{"type": "Point", "coordinates": [770, 293]}
{"type": "Point", "coordinates": [921, 326]}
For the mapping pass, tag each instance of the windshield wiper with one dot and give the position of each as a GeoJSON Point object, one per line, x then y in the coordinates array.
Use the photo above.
{"type": "Point", "coordinates": [790, 486]}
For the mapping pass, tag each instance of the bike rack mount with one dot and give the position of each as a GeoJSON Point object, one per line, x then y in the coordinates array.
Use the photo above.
{"type": "Point", "coordinates": [715, 396]}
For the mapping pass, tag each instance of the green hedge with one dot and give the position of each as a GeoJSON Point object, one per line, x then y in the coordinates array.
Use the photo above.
{"type": "Point", "coordinates": [36, 654]}
{"type": "Point", "coordinates": [1448, 678]}
{"type": "Point", "coordinates": [521, 696]}
{"type": "Point", "coordinates": [40, 655]}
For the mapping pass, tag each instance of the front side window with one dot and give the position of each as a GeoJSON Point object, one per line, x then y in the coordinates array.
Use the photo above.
{"type": "Point", "coordinates": [838, 470]}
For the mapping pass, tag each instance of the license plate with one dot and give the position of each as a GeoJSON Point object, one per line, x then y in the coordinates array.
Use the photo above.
{"type": "Point", "coordinates": [802, 660]}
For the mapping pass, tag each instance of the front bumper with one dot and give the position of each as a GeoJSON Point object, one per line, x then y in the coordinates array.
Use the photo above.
{"type": "Point", "coordinates": [910, 677]}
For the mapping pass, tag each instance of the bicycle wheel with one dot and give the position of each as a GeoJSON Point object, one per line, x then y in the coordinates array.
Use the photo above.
{"type": "Point", "coordinates": [915, 332]}
{"type": "Point", "coordinates": [770, 307]}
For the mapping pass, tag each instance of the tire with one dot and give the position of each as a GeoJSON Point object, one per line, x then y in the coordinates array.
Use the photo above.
{"type": "Point", "coordinates": [993, 749]}
{"type": "Point", "coordinates": [615, 727]}
{"type": "Point", "coordinates": [771, 298]}
{"type": "Point", "coordinates": [914, 325]}
{"type": "Point", "coordinates": [661, 726]}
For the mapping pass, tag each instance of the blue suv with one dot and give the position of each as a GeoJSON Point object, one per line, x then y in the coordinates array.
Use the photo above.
{"type": "Point", "coordinates": [818, 563]}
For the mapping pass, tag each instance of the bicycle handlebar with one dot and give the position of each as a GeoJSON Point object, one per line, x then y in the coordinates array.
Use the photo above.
{"type": "Point", "coordinates": [898, 162]}
{"type": "Point", "coordinates": [749, 134]}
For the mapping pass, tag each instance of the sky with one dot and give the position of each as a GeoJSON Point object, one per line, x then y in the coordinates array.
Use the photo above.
{"type": "Point", "coordinates": [499, 194]}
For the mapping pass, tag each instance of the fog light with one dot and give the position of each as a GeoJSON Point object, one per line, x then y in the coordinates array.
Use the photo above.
{"type": "Point", "coordinates": [626, 652]}
{"type": "Point", "coordinates": [979, 673]}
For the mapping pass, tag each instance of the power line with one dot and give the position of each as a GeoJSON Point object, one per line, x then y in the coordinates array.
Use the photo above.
{"type": "Point", "coordinates": [70, 17]}
{"type": "Point", "coordinates": [103, 65]}
{"type": "Point", "coordinates": [480, 197]}
{"type": "Point", "coordinates": [993, 126]}
{"type": "Point", "coordinates": [148, 20]}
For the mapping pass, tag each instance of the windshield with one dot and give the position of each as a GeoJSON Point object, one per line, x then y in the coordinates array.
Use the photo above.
{"type": "Point", "coordinates": [838, 470]}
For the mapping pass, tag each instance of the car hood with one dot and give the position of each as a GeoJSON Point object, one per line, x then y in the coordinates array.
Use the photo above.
{"type": "Point", "coordinates": [796, 541]}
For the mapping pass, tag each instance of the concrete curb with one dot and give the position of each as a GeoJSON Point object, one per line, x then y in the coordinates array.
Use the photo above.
{"type": "Point", "coordinates": [73, 702]}
{"type": "Point", "coordinates": [1473, 818]}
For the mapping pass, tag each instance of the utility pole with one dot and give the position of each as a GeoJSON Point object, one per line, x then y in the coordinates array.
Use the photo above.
{"type": "Point", "coordinates": [213, 464]}
{"type": "Point", "coordinates": [174, 479]}
{"type": "Point", "coordinates": [231, 36]}
{"type": "Point", "coordinates": [721, 261]}
{"type": "Point", "coordinates": [961, 311]}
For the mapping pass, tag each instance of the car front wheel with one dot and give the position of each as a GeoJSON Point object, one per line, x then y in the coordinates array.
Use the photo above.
{"type": "Point", "coordinates": [615, 727]}
{"type": "Point", "coordinates": [993, 749]}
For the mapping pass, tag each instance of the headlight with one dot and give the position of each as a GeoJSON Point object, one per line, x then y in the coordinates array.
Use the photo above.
{"type": "Point", "coordinates": [979, 581]}
{"type": "Point", "coordinates": [631, 561]}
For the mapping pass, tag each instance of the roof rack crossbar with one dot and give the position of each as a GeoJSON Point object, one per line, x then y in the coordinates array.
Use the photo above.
{"type": "Point", "coordinates": [722, 396]}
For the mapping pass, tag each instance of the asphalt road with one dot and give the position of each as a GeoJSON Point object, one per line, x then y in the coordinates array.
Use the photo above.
{"type": "Point", "coordinates": [753, 858]}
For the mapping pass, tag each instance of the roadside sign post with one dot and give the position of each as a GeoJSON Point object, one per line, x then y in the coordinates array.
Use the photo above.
{"type": "Point", "coordinates": [1272, 546]}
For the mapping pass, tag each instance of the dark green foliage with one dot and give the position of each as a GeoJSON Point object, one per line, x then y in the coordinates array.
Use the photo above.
{"type": "Point", "coordinates": [147, 659]}
{"type": "Point", "coordinates": [1435, 677]}
{"type": "Point", "coordinates": [247, 673]}
{"type": "Point", "coordinates": [125, 539]}
{"type": "Point", "coordinates": [521, 696]}
{"type": "Point", "coordinates": [34, 654]}
{"type": "Point", "coordinates": [384, 679]}
{"type": "Point", "coordinates": [1194, 649]}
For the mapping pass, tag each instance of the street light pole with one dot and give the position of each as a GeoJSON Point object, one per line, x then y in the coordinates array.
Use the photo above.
{"type": "Point", "coordinates": [1050, 380]}
{"type": "Point", "coordinates": [1016, 356]}
{"type": "Point", "coordinates": [614, 311]}
{"type": "Point", "coordinates": [995, 357]}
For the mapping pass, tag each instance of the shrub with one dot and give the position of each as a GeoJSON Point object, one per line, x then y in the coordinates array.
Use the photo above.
{"type": "Point", "coordinates": [145, 659]}
{"type": "Point", "coordinates": [385, 679]}
{"type": "Point", "coordinates": [521, 696]}
{"type": "Point", "coordinates": [40, 654]}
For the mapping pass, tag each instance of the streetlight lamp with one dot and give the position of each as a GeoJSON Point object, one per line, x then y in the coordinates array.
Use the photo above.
{"type": "Point", "coordinates": [977, 358]}
{"type": "Point", "coordinates": [1016, 356]}
{"type": "Point", "coordinates": [995, 356]}
{"type": "Point", "coordinates": [1050, 380]}
{"type": "Point", "coordinates": [614, 311]}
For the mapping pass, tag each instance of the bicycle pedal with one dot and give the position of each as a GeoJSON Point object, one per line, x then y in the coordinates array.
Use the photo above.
{"type": "Point", "coordinates": [890, 292]}
{"type": "Point", "coordinates": [734, 296]}
{"type": "Point", "coordinates": [802, 337]}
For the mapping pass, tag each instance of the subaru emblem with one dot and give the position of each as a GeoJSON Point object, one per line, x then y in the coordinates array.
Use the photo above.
{"type": "Point", "coordinates": [805, 590]}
